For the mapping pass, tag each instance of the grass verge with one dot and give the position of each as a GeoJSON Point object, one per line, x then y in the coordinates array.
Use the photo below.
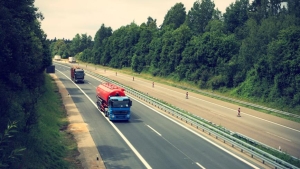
{"type": "Point", "coordinates": [193, 88]}
{"type": "Point", "coordinates": [49, 144]}
{"type": "Point", "coordinates": [219, 129]}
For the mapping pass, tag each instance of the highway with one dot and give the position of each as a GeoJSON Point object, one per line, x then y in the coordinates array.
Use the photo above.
{"type": "Point", "coordinates": [149, 139]}
{"type": "Point", "coordinates": [267, 129]}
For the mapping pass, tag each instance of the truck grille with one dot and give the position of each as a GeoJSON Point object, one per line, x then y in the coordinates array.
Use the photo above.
{"type": "Point", "coordinates": [119, 112]}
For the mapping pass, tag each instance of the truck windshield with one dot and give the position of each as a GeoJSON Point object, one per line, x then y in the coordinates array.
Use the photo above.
{"type": "Point", "coordinates": [79, 73]}
{"type": "Point", "coordinates": [120, 104]}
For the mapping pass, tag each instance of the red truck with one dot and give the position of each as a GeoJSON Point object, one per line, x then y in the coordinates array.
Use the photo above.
{"type": "Point", "coordinates": [77, 74]}
{"type": "Point", "coordinates": [112, 100]}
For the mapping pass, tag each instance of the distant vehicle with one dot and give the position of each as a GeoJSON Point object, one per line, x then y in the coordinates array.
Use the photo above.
{"type": "Point", "coordinates": [111, 100]}
{"type": "Point", "coordinates": [57, 57]}
{"type": "Point", "coordinates": [72, 59]}
{"type": "Point", "coordinates": [77, 74]}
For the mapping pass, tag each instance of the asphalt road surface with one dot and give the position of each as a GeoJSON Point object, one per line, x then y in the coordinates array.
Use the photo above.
{"type": "Point", "coordinates": [267, 129]}
{"type": "Point", "coordinates": [149, 139]}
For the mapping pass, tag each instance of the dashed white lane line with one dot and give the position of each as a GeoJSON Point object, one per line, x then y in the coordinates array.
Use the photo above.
{"type": "Point", "coordinates": [92, 85]}
{"type": "Point", "coordinates": [117, 130]}
{"type": "Point", "coordinates": [154, 130]}
{"type": "Point", "coordinates": [175, 146]}
{"type": "Point", "coordinates": [279, 136]}
{"type": "Point", "coordinates": [230, 109]}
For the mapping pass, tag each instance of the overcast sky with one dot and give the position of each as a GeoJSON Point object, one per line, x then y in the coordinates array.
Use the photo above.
{"type": "Point", "coordinates": [66, 18]}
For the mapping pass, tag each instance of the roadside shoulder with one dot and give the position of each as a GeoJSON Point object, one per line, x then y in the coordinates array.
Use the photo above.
{"type": "Point", "coordinates": [89, 155]}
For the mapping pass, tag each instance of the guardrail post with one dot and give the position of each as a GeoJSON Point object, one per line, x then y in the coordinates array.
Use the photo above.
{"type": "Point", "coordinates": [265, 159]}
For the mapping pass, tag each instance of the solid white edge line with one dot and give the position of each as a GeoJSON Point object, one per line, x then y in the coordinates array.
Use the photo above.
{"type": "Point", "coordinates": [154, 130]}
{"type": "Point", "coordinates": [232, 110]}
{"type": "Point", "coordinates": [204, 138]}
{"type": "Point", "coordinates": [117, 130]}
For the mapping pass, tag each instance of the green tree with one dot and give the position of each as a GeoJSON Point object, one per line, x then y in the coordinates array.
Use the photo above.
{"type": "Point", "coordinates": [25, 54]}
{"type": "Point", "coordinates": [102, 33]}
{"type": "Point", "coordinates": [199, 15]}
{"type": "Point", "coordinates": [293, 7]}
{"type": "Point", "coordinates": [175, 16]}
{"type": "Point", "coordinates": [284, 66]}
{"type": "Point", "coordinates": [80, 43]}
{"type": "Point", "coordinates": [236, 15]}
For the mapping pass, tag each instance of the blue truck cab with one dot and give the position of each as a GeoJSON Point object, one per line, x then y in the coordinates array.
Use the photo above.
{"type": "Point", "coordinates": [119, 108]}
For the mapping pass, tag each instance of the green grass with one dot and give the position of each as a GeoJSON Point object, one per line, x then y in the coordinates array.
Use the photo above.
{"type": "Point", "coordinates": [221, 130]}
{"type": "Point", "coordinates": [49, 145]}
{"type": "Point", "coordinates": [188, 86]}
{"type": "Point", "coordinates": [281, 155]}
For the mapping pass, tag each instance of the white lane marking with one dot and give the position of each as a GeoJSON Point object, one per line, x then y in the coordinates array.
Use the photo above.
{"type": "Point", "coordinates": [197, 134]}
{"type": "Point", "coordinates": [154, 130]}
{"type": "Point", "coordinates": [117, 130]}
{"type": "Point", "coordinates": [200, 165]}
{"type": "Point", "coordinates": [92, 85]}
{"type": "Point", "coordinates": [279, 136]}
{"type": "Point", "coordinates": [162, 136]}
{"type": "Point", "coordinates": [180, 151]}
{"type": "Point", "coordinates": [229, 109]}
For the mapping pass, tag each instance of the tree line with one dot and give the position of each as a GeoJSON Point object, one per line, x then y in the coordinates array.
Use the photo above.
{"type": "Point", "coordinates": [25, 53]}
{"type": "Point", "coordinates": [251, 51]}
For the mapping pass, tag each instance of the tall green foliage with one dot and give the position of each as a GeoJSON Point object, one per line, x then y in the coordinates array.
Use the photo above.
{"type": "Point", "coordinates": [175, 16]}
{"type": "Point", "coordinates": [102, 34]}
{"type": "Point", "coordinates": [208, 49]}
{"type": "Point", "coordinates": [199, 15]}
{"type": "Point", "coordinates": [25, 54]}
{"type": "Point", "coordinates": [236, 15]}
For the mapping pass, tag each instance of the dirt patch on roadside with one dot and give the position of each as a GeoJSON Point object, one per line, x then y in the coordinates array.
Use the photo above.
{"type": "Point", "coordinates": [89, 155]}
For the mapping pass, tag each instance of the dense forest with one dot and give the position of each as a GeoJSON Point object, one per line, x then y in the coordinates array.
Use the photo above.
{"type": "Point", "coordinates": [25, 53]}
{"type": "Point", "coordinates": [252, 50]}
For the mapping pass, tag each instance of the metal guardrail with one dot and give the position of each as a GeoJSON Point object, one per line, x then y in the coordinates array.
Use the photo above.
{"type": "Point", "coordinates": [204, 125]}
{"type": "Point", "coordinates": [246, 103]}
{"type": "Point", "coordinates": [207, 126]}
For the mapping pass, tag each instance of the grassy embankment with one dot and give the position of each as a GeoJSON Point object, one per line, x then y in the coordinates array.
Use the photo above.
{"type": "Point", "coordinates": [50, 145]}
{"type": "Point", "coordinates": [193, 88]}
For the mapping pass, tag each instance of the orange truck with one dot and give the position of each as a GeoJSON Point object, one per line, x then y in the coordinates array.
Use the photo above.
{"type": "Point", "coordinates": [77, 74]}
